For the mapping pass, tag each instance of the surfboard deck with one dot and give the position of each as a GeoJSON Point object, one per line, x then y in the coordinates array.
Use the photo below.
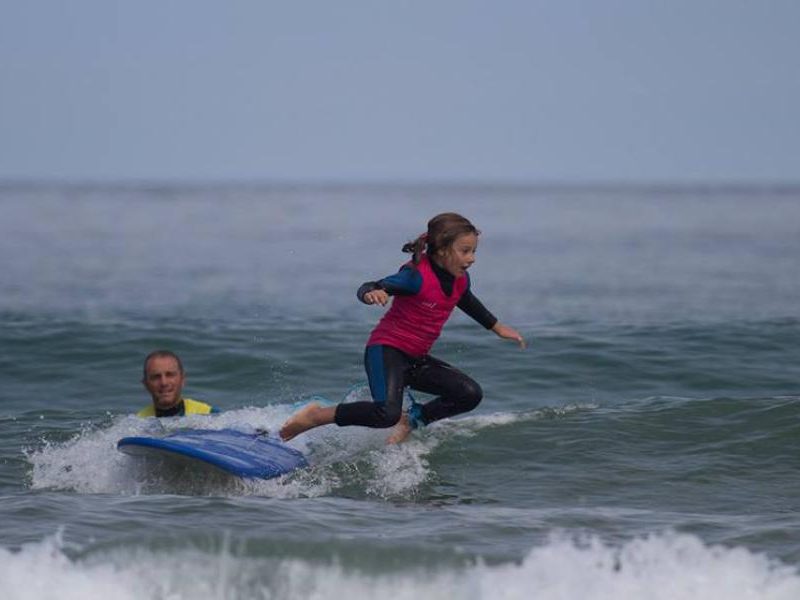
{"type": "Point", "coordinates": [249, 455]}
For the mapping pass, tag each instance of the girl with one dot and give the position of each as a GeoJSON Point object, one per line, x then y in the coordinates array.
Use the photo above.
{"type": "Point", "coordinates": [425, 290]}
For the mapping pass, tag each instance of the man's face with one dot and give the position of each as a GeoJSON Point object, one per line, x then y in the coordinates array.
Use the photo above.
{"type": "Point", "coordinates": [164, 381]}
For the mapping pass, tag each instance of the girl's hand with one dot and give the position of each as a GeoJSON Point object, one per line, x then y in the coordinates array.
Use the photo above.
{"type": "Point", "coordinates": [376, 297]}
{"type": "Point", "coordinates": [509, 333]}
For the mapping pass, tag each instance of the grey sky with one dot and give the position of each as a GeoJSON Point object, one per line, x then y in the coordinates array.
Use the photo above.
{"type": "Point", "coordinates": [521, 91]}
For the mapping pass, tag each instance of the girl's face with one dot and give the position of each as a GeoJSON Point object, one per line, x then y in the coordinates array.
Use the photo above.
{"type": "Point", "coordinates": [460, 255]}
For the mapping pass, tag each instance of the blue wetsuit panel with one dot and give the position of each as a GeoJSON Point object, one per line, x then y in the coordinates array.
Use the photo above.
{"type": "Point", "coordinates": [376, 373]}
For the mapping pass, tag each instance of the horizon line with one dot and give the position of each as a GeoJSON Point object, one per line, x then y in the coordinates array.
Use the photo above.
{"type": "Point", "coordinates": [711, 184]}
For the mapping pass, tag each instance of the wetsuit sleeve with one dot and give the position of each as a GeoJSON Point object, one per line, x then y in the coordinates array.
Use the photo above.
{"type": "Point", "coordinates": [406, 282]}
{"type": "Point", "coordinates": [474, 308]}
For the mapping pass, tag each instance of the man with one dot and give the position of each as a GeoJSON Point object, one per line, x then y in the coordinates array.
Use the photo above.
{"type": "Point", "coordinates": [164, 378]}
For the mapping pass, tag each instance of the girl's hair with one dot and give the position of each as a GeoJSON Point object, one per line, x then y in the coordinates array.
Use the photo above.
{"type": "Point", "coordinates": [442, 231]}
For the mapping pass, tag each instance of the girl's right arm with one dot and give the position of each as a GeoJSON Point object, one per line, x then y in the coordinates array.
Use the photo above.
{"type": "Point", "coordinates": [406, 282]}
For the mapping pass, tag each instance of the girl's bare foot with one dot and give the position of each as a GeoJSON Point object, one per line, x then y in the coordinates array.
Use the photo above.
{"type": "Point", "coordinates": [401, 431]}
{"type": "Point", "coordinates": [308, 417]}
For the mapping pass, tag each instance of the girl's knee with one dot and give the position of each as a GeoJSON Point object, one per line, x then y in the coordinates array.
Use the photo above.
{"type": "Point", "coordinates": [387, 417]}
{"type": "Point", "coordinates": [471, 394]}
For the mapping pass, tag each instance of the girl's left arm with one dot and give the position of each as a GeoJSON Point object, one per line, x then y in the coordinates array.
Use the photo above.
{"type": "Point", "coordinates": [509, 333]}
{"type": "Point", "coordinates": [470, 304]}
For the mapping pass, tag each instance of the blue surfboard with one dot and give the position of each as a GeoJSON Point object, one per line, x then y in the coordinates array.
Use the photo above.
{"type": "Point", "coordinates": [250, 455]}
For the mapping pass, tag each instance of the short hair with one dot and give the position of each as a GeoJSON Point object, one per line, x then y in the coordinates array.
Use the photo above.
{"type": "Point", "coordinates": [161, 354]}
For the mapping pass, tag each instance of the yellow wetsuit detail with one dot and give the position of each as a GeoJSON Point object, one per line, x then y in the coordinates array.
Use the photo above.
{"type": "Point", "coordinates": [190, 407]}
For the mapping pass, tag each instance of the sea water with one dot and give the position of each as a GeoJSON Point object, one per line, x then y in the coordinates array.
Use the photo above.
{"type": "Point", "coordinates": [645, 445]}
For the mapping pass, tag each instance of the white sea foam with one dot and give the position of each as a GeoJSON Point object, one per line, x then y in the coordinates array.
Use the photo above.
{"type": "Point", "coordinates": [89, 462]}
{"type": "Point", "coordinates": [472, 423]}
{"type": "Point", "coordinates": [657, 567]}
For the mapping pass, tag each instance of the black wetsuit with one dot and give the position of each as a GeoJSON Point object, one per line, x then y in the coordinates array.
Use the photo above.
{"type": "Point", "coordinates": [390, 370]}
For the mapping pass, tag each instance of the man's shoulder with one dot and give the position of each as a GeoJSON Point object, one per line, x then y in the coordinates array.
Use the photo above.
{"type": "Point", "coordinates": [190, 407]}
{"type": "Point", "coordinates": [147, 411]}
{"type": "Point", "coordinates": [196, 407]}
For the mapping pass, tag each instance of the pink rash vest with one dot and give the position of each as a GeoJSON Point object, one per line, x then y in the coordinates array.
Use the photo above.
{"type": "Point", "coordinates": [414, 323]}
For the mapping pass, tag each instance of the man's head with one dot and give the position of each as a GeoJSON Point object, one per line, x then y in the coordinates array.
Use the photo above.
{"type": "Point", "coordinates": [163, 378]}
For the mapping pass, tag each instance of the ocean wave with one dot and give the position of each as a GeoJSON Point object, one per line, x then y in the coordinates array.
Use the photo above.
{"type": "Point", "coordinates": [352, 460]}
{"type": "Point", "coordinates": [659, 566]}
